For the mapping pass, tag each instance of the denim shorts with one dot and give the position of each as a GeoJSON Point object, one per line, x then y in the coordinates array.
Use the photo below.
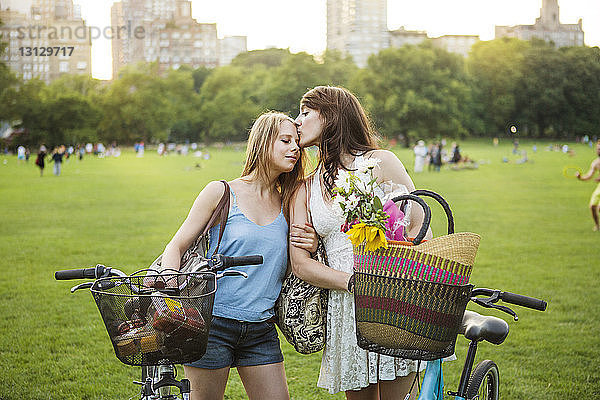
{"type": "Point", "coordinates": [233, 343]}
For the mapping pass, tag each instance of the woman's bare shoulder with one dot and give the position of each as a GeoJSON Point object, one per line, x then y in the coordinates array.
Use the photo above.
{"type": "Point", "coordinates": [213, 191]}
{"type": "Point", "coordinates": [386, 157]}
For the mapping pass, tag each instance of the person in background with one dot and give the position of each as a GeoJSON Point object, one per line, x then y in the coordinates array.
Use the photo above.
{"type": "Point", "coordinates": [40, 160]}
{"type": "Point", "coordinates": [420, 155]}
{"type": "Point", "coordinates": [57, 157]}
{"type": "Point", "coordinates": [595, 199]}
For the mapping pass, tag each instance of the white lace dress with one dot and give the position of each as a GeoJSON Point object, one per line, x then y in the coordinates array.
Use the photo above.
{"type": "Point", "coordinates": [345, 366]}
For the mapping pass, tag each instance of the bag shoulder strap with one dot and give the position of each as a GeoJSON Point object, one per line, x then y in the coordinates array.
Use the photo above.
{"type": "Point", "coordinates": [221, 213]}
{"type": "Point", "coordinates": [308, 187]}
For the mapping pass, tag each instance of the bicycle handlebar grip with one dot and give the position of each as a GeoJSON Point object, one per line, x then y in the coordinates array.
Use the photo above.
{"type": "Point", "coordinates": [243, 260]}
{"type": "Point", "coordinates": [80, 273]}
{"type": "Point", "coordinates": [524, 301]}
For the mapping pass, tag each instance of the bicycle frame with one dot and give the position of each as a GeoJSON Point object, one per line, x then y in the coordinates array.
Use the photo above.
{"type": "Point", "coordinates": [433, 381]}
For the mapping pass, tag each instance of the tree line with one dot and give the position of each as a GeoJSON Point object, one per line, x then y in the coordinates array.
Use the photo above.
{"type": "Point", "coordinates": [412, 92]}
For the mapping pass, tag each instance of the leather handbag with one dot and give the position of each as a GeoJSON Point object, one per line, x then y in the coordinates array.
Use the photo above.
{"type": "Point", "coordinates": [301, 309]}
{"type": "Point", "coordinates": [200, 246]}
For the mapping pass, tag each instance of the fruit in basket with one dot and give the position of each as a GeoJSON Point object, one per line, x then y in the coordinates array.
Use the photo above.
{"type": "Point", "coordinates": [151, 342]}
{"type": "Point", "coordinates": [136, 305]}
{"type": "Point", "coordinates": [137, 320]}
{"type": "Point", "coordinates": [126, 347]}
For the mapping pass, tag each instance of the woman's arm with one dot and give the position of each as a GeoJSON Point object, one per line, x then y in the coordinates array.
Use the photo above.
{"type": "Point", "coordinates": [303, 266]}
{"type": "Point", "coordinates": [194, 224]}
{"type": "Point", "coordinates": [590, 172]}
{"type": "Point", "coordinates": [392, 169]}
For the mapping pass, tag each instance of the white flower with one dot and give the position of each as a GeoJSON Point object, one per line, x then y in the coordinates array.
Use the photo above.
{"type": "Point", "coordinates": [363, 183]}
{"type": "Point", "coordinates": [343, 180]}
{"type": "Point", "coordinates": [352, 201]}
{"type": "Point", "coordinates": [366, 164]}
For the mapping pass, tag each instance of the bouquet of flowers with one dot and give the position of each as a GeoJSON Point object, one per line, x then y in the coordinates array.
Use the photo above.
{"type": "Point", "coordinates": [366, 218]}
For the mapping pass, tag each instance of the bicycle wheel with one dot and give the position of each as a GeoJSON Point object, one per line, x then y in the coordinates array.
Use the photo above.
{"type": "Point", "coordinates": [484, 382]}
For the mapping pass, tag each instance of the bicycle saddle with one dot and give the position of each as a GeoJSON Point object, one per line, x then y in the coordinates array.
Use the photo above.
{"type": "Point", "coordinates": [481, 327]}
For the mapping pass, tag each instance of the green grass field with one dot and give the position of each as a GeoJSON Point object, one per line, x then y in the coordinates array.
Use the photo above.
{"type": "Point", "coordinates": [536, 240]}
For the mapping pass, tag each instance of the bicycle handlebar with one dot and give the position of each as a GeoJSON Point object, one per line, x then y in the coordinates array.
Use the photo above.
{"type": "Point", "coordinates": [217, 263]}
{"type": "Point", "coordinates": [524, 301]}
{"type": "Point", "coordinates": [240, 261]}
{"type": "Point", "coordinates": [507, 297]}
{"type": "Point", "coordinates": [81, 273]}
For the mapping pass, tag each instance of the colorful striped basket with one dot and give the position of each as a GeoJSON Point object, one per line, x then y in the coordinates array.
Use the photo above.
{"type": "Point", "coordinates": [408, 318]}
{"type": "Point", "coordinates": [410, 297]}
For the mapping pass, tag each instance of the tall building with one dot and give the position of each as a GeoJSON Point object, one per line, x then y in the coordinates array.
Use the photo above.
{"type": "Point", "coordinates": [546, 27]}
{"type": "Point", "coordinates": [458, 44]}
{"type": "Point", "coordinates": [230, 47]}
{"type": "Point", "coordinates": [164, 31]}
{"type": "Point", "coordinates": [45, 39]}
{"type": "Point", "coordinates": [401, 37]}
{"type": "Point", "coordinates": [357, 28]}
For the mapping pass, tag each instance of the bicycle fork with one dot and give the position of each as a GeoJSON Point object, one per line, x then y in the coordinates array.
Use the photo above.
{"type": "Point", "coordinates": [161, 389]}
{"type": "Point", "coordinates": [466, 373]}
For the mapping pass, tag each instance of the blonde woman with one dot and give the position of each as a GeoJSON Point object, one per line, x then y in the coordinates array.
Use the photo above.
{"type": "Point", "coordinates": [241, 334]}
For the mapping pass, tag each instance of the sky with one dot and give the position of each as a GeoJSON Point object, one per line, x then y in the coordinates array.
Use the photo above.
{"type": "Point", "coordinates": [301, 25]}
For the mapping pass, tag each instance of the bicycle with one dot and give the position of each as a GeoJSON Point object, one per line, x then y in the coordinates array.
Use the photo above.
{"type": "Point", "coordinates": [156, 319]}
{"type": "Point", "coordinates": [481, 383]}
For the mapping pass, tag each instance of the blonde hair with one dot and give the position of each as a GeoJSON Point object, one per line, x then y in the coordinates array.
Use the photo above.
{"type": "Point", "coordinates": [262, 135]}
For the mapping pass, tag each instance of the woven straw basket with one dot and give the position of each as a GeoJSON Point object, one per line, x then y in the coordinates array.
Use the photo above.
{"type": "Point", "coordinates": [445, 259]}
{"type": "Point", "coordinates": [410, 297]}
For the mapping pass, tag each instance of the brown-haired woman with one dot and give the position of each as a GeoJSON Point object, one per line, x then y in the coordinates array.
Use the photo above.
{"type": "Point", "coordinates": [241, 335]}
{"type": "Point", "coordinates": [333, 119]}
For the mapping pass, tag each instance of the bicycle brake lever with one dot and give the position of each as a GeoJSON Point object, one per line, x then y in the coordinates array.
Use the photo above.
{"type": "Point", "coordinates": [489, 303]}
{"type": "Point", "coordinates": [507, 310]}
{"type": "Point", "coordinates": [84, 285]}
{"type": "Point", "coordinates": [232, 273]}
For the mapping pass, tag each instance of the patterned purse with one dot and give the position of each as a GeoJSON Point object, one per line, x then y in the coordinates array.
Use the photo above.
{"type": "Point", "coordinates": [301, 309]}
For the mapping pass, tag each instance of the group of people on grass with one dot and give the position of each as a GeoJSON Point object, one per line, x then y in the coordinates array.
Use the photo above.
{"type": "Point", "coordinates": [434, 156]}
{"type": "Point", "coordinates": [56, 156]}
{"type": "Point", "coordinates": [269, 212]}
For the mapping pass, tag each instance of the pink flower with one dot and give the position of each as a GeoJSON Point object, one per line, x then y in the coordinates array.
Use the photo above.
{"type": "Point", "coordinates": [347, 225]}
{"type": "Point", "coordinates": [393, 229]}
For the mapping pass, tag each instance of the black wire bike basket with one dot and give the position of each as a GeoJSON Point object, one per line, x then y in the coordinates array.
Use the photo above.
{"type": "Point", "coordinates": [151, 317]}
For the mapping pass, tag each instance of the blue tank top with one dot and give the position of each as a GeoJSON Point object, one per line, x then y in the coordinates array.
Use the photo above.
{"type": "Point", "coordinates": [252, 299]}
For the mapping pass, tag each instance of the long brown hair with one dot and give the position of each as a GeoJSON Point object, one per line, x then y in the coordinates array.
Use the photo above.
{"type": "Point", "coordinates": [262, 135]}
{"type": "Point", "coordinates": [346, 128]}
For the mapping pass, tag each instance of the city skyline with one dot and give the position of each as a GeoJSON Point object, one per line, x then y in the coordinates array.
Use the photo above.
{"type": "Point", "coordinates": [302, 26]}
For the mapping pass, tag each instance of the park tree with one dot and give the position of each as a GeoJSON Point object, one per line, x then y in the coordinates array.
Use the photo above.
{"type": "Point", "coordinates": [268, 58]}
{"type": "Point", "coordinates": [31, 111]}
{"type": "Point", "coordinates": [226, 106]}
{"type": "Point", "coordinates": [72, 104]}
{"type": "Point", "coordinates": [494, 69]}
{"type": "Point", "coordinates": [287, 83]}
{"type": "Point", "coordinates": [581, 90]}
{"type": "Point", "coordinates": [134, 106]}
{"type": "Point", "coordinates": [540, 98]}
{"type": "Point", "coordinates": [338, 69]}
{"type": "Point", "coordinates": [8, 85]}
{"type": "Point", "coordinates": [199, 75]}
{"type": "Point", "coordinates": [415, 92]}
{"type": "Point", "coordinates": [183, 103]}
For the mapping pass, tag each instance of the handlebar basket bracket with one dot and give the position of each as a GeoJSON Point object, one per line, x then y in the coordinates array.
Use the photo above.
{"type": "Point", "coordinates": [152, 318]}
